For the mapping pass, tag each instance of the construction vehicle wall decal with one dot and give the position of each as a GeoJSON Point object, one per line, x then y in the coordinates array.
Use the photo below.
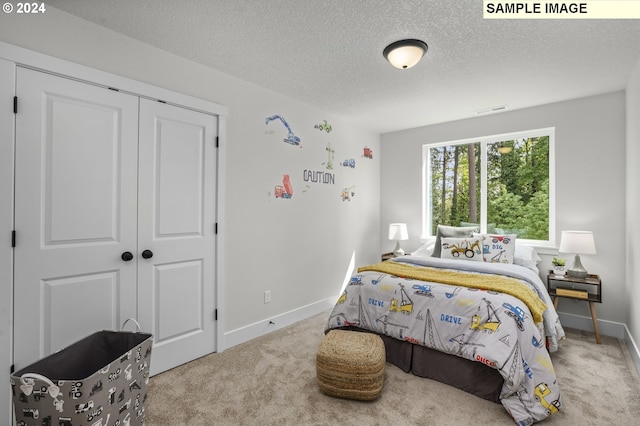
{"type": "Point", "coordinates": [493, 320]}
{"type": "Point", "coordinates": [285, 190]}
{"type": "Point", "coordinates": [347, 193]}
{"type": "Point", "coordinates": [323, 126]}
{"type": "Point", "coordinates": [291, 138]}
{"type": "Point", "coordinates": [406, 304]}
{"type": "Point", "coordinates": [350, 162]}
{"type": "Point", "coordinates": [330, 152]}
{"type": "Point", "coordinates": [368, 153]}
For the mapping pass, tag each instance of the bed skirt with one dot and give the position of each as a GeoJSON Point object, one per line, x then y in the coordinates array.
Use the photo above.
{"type": "Point", "coordinates": [472, 377]}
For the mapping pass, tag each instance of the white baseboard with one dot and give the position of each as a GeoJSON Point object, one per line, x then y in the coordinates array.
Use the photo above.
{"type": "Point", "coordinates": [607, 328]}
{"type": "Point", "coordinates": [633, 348]}
{"type": "Point", "coordinates": [260, 328]}
{"type": "Point", "coordinates": [579, 322]}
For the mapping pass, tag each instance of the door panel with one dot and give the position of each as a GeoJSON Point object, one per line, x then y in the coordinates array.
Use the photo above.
{"type": "Point", "coordinates": [75, 210]}
{"type": "Point", "coordinates": [179, 290]}
{"type": "Point", "coordinates": [61, 294]}
{"type": "Point", "coordinates": [177, 223]}
{"type": "Point", "coordinates": [80, 130]}
{"type": "Point", "coordinates": [179, 178]}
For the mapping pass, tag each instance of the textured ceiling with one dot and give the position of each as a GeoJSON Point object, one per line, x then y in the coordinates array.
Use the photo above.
{"type": "Point", "coordinates": [328, 53]}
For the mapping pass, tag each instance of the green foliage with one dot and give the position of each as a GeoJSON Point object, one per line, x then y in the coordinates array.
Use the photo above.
{"type": "Point", "coordinates": [517, 186]}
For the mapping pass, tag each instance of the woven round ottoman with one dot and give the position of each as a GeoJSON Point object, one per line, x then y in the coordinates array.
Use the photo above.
{"type": "Point", "coordinates": [350, 364]}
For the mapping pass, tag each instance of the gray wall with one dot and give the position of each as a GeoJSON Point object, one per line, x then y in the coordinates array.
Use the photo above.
{"type": "Point", "coordinates": [299, 249]}
{"type": "Point", "coordinates": [590, 182]}
{"type": "Point", "coordinates": [633, 209]}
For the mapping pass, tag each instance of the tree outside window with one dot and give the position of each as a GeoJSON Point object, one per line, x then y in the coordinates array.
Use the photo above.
{"type": "Point", "coordinates": [501, 183]}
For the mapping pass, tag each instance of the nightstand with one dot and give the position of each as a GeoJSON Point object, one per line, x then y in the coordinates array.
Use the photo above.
{"type": "Point", "coordinates": [387, 256]}
{"type": "Point", "coordinates": [588, 289]}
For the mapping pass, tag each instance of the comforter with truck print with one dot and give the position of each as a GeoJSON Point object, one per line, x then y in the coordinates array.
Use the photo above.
{"type": "Point", "coordinates": [500, 315]}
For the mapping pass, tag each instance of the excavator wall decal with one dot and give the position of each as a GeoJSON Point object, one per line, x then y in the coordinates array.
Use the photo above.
{"type": "Point", "coordinates": [291, 138]}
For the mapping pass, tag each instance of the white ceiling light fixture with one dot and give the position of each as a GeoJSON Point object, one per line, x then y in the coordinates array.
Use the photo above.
{"type": "Point", "coordinates": [404, 54]}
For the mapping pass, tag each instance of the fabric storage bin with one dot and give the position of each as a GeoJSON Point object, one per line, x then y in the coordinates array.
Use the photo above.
{"type": "Point", "coordinates": [98, 381]}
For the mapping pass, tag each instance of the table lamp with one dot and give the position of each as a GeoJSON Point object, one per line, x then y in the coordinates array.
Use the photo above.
{"type": "Point", "coordinates": [577, 242]}
{"type": "Point", "coordinates": [398, 232]}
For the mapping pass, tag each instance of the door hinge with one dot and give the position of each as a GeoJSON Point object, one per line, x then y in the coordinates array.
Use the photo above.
{"type": "Point", "coordinates": [12, 369]}
{"type": "Point", "coordinates": [216, 228]}
{"type": "Point", "coordinates": [215, 315]}
{"type": "Point", "coordinates": [217, 142]}
{"type": "Point", "coordinates": [15, 104]}
{"type": "Point", "coordinates": [13, 238]}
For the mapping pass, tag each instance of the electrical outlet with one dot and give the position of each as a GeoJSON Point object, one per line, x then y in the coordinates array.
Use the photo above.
{"type": "Point", "coordinates": [267, 296]}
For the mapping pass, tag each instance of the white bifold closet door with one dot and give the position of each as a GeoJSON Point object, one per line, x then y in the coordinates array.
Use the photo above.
{"type": "Point", "coordinates": [114, 217]}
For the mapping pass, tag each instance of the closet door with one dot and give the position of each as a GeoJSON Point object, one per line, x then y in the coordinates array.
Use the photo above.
{"type": "Point", "coordinates": [176, 232]}
{"type": "Point", "coordinates": [75, 212]}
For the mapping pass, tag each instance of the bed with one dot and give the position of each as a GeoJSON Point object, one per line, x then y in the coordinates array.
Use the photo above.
{"type": "Point", "coordinates": [483, 326]}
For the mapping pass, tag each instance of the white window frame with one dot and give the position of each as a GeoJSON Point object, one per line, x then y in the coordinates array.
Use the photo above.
{"type": "Point", "coordinates": [484, 141]}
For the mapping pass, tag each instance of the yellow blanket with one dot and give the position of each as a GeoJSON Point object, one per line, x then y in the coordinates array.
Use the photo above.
{"type": "Point", "coordinates": [498, 283]}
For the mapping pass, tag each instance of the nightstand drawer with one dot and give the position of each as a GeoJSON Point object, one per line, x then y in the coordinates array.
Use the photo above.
{"type": "Point", "coordinates": [588, 288]}
{"type": "Point", "coordinates": [578, 294]}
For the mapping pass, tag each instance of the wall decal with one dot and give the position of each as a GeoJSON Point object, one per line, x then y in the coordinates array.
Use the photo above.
{"type": "Point", "coordinates": [285, 190]}
{"type": "Point", "coordinates": [316, 176]}
{"type": "Point", "coordinates": [349, 163]}
{"type": "Point", "coordinates": [330, 152]}
{"type": "Point", "coordinates": [291, 138]}
{"type": "Point", "coordinates": [349, 192]}
{"type": "Point", "coordinates": [368, 153]}
{"type": "Point", "coordinates": [324, 126]}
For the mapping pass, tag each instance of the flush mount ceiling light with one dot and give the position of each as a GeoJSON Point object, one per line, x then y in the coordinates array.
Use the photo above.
{"type": "Point", "coordinates": [404, 54]}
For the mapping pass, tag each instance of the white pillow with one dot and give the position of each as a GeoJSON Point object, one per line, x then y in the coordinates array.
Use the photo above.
{"type": "Point", "coordinates": [527, 253]}
{"type": "Point", "coordinates": [498, 248]}
{"type": "Point", "coordinates": [526, 256]}
{"type": "Point", "coordinates": [469, 248]}
{"type": "Point", "coordinates": [425, 250]}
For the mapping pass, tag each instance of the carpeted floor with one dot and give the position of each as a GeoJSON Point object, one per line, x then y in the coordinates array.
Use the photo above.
{"type": "Point", "coordinates": [271, 381]}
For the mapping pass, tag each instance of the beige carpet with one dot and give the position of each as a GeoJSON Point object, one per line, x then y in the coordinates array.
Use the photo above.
{"type": "Point", "coordinates": [271, 381]}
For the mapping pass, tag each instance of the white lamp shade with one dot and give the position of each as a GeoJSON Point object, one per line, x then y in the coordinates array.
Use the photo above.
{"type": "Point", "coordinates": [577, 242]}
{"type": "Point", "coordinates": [398, 231]}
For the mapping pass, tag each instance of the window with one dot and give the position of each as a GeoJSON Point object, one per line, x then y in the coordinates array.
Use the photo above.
{"type": "Point", "coordinates": [503, 183]}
